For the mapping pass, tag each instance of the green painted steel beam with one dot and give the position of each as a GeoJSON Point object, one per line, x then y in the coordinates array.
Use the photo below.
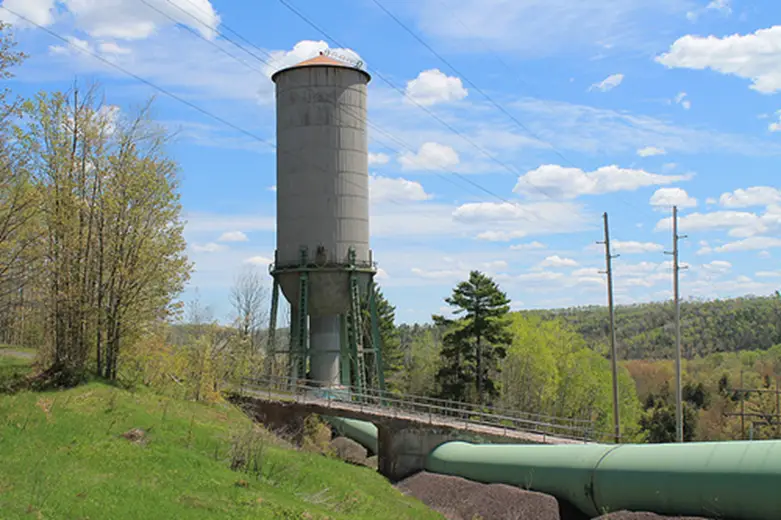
{"type": "Point", "coordinates": [272, 328]}
{"type": "Point", "coordinates": [356, 335]}
{"type": "Point", "coordinates": [376, 341]}
{"type": "Point", "coordinates": [344, 354]}
{"type": "Point", "coordinates": [302, 325]}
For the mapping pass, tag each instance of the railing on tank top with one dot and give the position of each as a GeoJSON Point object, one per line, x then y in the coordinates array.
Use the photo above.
{"type": "Point", "coordinates": [331, 260]}
{"type": "Point", "coordinates": [419, 408]}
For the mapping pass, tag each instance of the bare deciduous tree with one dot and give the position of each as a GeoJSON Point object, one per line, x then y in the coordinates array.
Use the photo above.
{"type": "Point", "coordinates": [249, 298]}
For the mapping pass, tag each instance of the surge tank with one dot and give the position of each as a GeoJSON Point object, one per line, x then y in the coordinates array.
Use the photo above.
{"type": "Point", "coordinates": [322, 198]}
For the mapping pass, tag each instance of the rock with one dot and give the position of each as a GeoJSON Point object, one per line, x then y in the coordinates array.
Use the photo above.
{"type": "Point", "coordinates": [372, 462]}
{"type": "Point", "coordinates": [349, 451]}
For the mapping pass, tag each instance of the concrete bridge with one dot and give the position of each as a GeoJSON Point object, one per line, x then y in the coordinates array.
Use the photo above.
{"type": "Point", "coordinates": [408, 427]}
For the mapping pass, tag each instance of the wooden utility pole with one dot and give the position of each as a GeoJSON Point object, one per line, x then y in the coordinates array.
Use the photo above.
{"type": "Point", "coordinates": [613, 355]}
{"type": "Point", "coordinates": [676, 297]}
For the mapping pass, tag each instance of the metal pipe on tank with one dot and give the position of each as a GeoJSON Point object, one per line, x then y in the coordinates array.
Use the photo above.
{"type": "Point", "coordinates": [326, 349]}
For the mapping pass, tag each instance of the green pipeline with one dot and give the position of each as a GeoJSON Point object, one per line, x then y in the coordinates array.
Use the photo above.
{"type": "Point", "coordinates": [362, 432]}
{"type": "Point", "coordinates": [736, 480]}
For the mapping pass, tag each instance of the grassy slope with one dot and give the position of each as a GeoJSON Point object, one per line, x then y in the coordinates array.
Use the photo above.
{"type": "Point", "coordinates": [63, 457]}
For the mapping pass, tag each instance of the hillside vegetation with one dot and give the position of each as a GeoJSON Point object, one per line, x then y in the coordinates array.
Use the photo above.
{"type": "Point", "coordinates": [647, 331]}
{"type": "Point", "coordinates": [77, 454]}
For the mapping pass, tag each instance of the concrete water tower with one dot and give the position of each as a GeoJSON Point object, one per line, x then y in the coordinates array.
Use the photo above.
{"type": "Point", "coordinates": [323, 263]}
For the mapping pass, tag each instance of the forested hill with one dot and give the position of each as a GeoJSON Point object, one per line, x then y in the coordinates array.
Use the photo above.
{"type": "Point", "coordinates": [646, 331]}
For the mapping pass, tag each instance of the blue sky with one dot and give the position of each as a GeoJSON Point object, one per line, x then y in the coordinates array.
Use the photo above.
{"type": "Point", "coordinates": [562, 110]}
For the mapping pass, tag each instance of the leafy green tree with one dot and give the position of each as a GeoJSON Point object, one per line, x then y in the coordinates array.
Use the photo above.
{"type": "Point", "coordinates": [475, 341]}
{"type": "Point", "coordinates": [551, 370]}
{"type": "Point", "coordinates": [420, 348]}
{"type": "Point", "coordinates": [112, 234]}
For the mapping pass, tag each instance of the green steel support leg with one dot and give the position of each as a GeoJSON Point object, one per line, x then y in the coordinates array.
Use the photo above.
{"type": "Point", "coordinates": [355, 334]}
{"type": "Point", "coordinates": [376, 341]}
{"type": "Point", "coordinates": [344, 355]}
{"type": "Point", "coordinates": [292, 352]}
{"type": "Point", "coordinates": [271, 347]}
{"type": "Point", "coordinates": [302, 325]}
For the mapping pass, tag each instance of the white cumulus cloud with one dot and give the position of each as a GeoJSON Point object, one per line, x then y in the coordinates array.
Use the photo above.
{"type": "Point", "coordinates": [500, 236]}
{"type": "Point", "coordinates": [304, 50]}
{"type": "Point", "coordinates": [557, 261]}
{"type": "Point", "coordinates": [775, 126]}
{"type": "Point", "coordinates": [665, 198]}
{"type": "Point", "coordinates": [433, 86]}
{"type": "Point", "coordinates": [132, 20]}
{"type": "Point", "coordinates": [718, 266]}
{"type": "Point", "coordinates": [385, 188]}
{"type": "Point", "coordinates": [650, 151]}
{"type": "Point", "coordinates": [569, 183]}
{"type": "Point", "coordinates": [210, 247]}
{"type": "Point", "coordinates": [739, 224]}
{"type": "Point", "coordinates": [527, 247]}
{"type": "Point", "coordinates": [233, 236]}
{"type": "Point", "coordinates": [39, 12]}
{"type": "Point", "coordinates": [755, 56]}
{"type": "Point", "coordinates": [680, 99]}
{"type": "Point", "coordinates": [609, 83]}
{"type": "Point", "coordinates": [378, 158]}
{"type": "Point", "coordinates": [750, 244]}
{"type": "Point", "coordinates": [631, 247]}
{"type": "Point", "coordinates": [753, 196]}
{"type": "Point", "coordinates": [258, 260]}
{"type": "Point", "coordinates": [430, 156]}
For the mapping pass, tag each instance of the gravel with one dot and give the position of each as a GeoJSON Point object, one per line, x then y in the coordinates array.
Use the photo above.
{"type": "Point", "coordinates": [460, 499]}
{"type": "Point", "coordinates": [628, 515]}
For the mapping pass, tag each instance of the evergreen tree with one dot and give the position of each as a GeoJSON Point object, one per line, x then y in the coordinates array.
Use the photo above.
{"type": "Point", "coordinates": [475, 341]}
{"type": "Point", "coordinates": [390, 343]}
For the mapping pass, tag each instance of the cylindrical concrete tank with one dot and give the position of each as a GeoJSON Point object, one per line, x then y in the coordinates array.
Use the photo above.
{"type": "Point", "coordinates": [322, 179]}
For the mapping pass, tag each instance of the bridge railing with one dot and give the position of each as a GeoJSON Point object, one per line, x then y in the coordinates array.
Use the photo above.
{"type": "Point", "coordinates": [425, 409]}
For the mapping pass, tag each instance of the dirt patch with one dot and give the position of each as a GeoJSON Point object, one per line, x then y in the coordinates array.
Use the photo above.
{"type": "Point", "coordinates": [460, 499]}
{"type": "Point", "coordinates": [136, 436]}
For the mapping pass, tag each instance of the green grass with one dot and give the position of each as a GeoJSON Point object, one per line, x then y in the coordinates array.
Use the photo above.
{"type": "Point", "coordinates": [12, 369]}
{"type": "Point", "coordinates": [3, 346]}
{"type": "Point", "coordinates": [63, 456]}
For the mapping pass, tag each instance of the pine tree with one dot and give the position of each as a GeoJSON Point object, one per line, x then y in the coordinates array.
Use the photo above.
{"type": "Point", "coordinates": [390, 343]}
{"type": "Point", "coordinates": [475, 341]}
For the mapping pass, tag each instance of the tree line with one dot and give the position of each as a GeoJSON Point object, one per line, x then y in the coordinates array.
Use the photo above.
{"type": "Point", "coordinates": [91, 244]}
{"type": "Point", "coordinates": [647, 331]}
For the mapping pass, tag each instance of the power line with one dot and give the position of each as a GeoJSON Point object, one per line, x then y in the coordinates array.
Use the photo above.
{"type": "Point", "coordinates": [267, 63]}
{"type": "Point", "coordinates": [520, 124]}
{"type": "Point", "coordinates": [401, 91]}
{"type": "Point", "coordinates": [469, 81]}
{"type": "Point", "coordinates": [374, 126]}
{"type": "Point", "coordinates": [154, 86]}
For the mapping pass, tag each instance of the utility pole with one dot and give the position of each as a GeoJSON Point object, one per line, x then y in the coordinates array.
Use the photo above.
{"type": "Point", "coordinates": [613, 356]}
{"type": "Point", "coordinates": [676, 296]}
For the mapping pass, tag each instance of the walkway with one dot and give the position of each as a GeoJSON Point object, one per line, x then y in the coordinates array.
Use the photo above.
{"type": "Point", "coordinates": [416, 410]}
